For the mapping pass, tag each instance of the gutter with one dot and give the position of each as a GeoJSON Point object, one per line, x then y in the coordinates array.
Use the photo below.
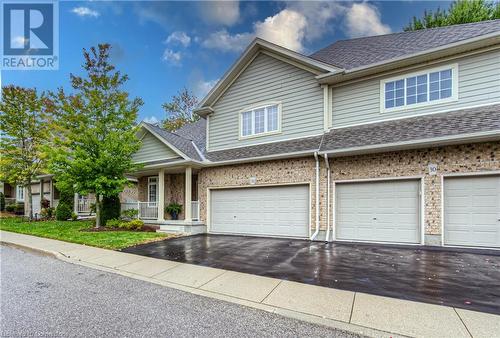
{"type": "Point", "coordinates": [317, 197]}
{"type": "Point", "coordinates": [436, 141]}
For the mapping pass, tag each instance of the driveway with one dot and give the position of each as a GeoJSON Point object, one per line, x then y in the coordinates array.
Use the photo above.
{"type": "Point", "coordinates": [460, 278]}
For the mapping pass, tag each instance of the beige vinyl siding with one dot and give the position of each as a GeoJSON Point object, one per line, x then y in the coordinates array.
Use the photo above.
{"type": "Point", "coordinates": [152, 149]}
{"type": "Point", "coordinates": [478, 83]}
{"type": "Point", "coordinates": [267, 79]}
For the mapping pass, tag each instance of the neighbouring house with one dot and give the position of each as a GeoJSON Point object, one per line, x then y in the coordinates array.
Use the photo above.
{"type": "Point", "coordinates": [13, 193]}
{"type": "Point", "coordinates": [44, 187]}
{"type": "Point", "coordinates": [385, 139]}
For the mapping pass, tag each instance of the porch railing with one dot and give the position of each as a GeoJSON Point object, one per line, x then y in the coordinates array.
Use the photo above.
{"type": "Point", "coordinates": [195, 210]}
{"type": "Point", "coordinates": [84, 205]}
{"type": "Point", "coordinates": [148, 210]}
{"type": "Point", "coordinates": [10, 200]}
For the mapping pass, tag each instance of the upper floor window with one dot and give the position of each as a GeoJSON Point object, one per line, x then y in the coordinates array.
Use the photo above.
{"type": "Point", "coordinates": [435, 86]}
{"type": "Point", "coordinates": [20, 193]}
{"type": "Point", "coordinates": [260, 120]}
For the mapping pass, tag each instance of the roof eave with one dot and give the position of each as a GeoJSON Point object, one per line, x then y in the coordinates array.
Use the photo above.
{"type": "Point", "coordinates": [486, 40]}
{"type": "Point", "coordinates": [415, 144]}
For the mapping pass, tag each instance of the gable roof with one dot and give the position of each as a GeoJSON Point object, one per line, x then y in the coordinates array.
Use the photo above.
{"type": "Point", "coordinates": [261, 46]}
{"type": "Point", "coordinates": [354, 53]}
{"type": "Point", "coordinates": [188, 141]}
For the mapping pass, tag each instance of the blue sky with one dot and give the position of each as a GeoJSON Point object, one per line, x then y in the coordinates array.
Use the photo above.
{"type": "Point", "coordinates": [164, 46]}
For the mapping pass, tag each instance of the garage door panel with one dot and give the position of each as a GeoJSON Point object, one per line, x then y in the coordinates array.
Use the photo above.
{"type": "Point", "coordinates": [385, 211]}
{"type": "Point", "coordinates": [280, 211]}
{"type": "Point", "coordinates": [472, 211]}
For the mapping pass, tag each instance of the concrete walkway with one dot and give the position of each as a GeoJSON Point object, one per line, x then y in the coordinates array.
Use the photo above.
{"type": "Point", "coordinates": [352, 311]}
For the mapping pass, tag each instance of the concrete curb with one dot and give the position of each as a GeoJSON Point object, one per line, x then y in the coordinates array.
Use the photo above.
{"type": "Point", "coordinates": [353, 328]}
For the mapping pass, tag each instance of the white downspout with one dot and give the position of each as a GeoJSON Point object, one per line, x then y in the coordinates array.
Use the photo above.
{"type": "Point", "coordinates": [327, 199]}
{"type": "Point", "coordinates": [317, 197]}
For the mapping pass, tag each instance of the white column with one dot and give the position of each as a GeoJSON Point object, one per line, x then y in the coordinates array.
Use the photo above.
{"type": "Point", "coordinates": [42, 195]}
{"type": "Point", "coordinates": [75, 202]}
{"type": "Point", "coordinates": [161, 195]}
{"type": "Point", "coordinates": [187, 194]}
{"type": "Point", "coordinates": [51, 192]}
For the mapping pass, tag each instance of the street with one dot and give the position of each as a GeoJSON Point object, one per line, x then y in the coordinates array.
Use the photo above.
{"type": "Point", "coordinates": [42, 296]}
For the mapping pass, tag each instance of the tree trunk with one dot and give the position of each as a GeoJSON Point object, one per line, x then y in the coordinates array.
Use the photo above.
{"type": "Point", "coordinates": [30, 200]}
{"type": "Point", "coordinates": [97, 211]}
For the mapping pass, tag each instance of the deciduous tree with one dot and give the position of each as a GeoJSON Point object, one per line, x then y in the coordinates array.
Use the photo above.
{"type": "Point", "coordinates": [23, 126]}
{"type": "Point", "coordinates": [459, 12]}
{"type": "Point", "coordinates": [180, 110]}
{"type": "Point", "coordinates": [96, 130]}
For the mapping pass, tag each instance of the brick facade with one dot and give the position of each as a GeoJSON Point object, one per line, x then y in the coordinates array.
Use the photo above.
{"type": "Point", "coordinates": [466, 158]}
{"type": "Point", "coordinates": [300, 170]}
{"type": "Point", "coordinates": [411, 163]}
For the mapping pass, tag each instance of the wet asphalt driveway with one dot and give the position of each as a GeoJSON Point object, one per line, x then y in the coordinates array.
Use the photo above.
{"type": "Point", "coordinates": [459, 278]}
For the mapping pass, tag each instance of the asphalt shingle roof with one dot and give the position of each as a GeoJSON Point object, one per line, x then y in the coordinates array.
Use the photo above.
{"type": "Point", "coordinates": [359, 52]}
{"type": "Point", "coordinates": [183, 143]}
{"type": "Point", "coordinates": [285, 147]}
{"type": "Point", "coordinates": [467, 121]}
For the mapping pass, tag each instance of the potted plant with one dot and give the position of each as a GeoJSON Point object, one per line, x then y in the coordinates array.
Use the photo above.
{"type": "Point", "coordinates": [174, 209]}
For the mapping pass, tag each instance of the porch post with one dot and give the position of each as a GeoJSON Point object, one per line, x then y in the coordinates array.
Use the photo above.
{"type": "Point", "coordinates": [187, 194]}
{"type": "Point", "coordinates": [51, 183]}
{"type": "Point", "coordinates": [41, 193]}
{"type": "Point", "coordinates": [161, 195]}
{"type": "Point", "coordinates": [75, 203]}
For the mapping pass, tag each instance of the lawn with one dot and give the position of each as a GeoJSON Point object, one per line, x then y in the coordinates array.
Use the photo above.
{"type": "Point", "coordinates": [70, 231]}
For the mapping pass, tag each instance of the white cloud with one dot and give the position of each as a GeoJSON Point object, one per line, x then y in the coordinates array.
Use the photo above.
{"type": "Point", "coordinates": [202, 87]}
{"type": "Point", "coordinates": [151, 120]}
{"type": "Point", "coordinates": [85, 11]}
{"type": "Point", "coordinates": [220, 12]}
{"type": "Point", "coordinates": [179, 37]}
{"type": "Point", "coordinates": [171, 57]}
{"type": "Point", "coordinates": [363, 19]}
{"type": "Point", "coordinates": [18, 42]}
{"type": "Point", "coordinates": [287, 29]}
{"type": "Point", "coordinates": [226, 42]}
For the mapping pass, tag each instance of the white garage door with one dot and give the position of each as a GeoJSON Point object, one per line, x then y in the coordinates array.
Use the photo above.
{"type": "Point", "coordinates": [472, 211]}
{"type": "Point", "coordinates": [36, 204]}
{"type": "Point", "coordinates": [385, 211]}
{"type": "Point", "coordinates": [275, 211]}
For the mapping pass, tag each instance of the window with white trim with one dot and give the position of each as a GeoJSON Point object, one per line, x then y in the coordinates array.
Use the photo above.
{"type": "Point", "coordinates": [261, 120]}
{"type": "Point", "coordinates": [152, 189]}
{"type": "Point", "coordinates": [20, 193]}
{"type": "Point", "coordinates": [434, 86]}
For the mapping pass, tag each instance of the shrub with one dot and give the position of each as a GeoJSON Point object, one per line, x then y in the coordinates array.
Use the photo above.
{"type": "Point", "coordinates": [113, 223]}
{"type": "Point", "coordinates": [63, 211]}
{"type": "Point", "coordinates": [2, 201]}
{"type": "Point", "coordinates": [74, 216]}
{"type": "Point", "coordinates": [45, 203]}
{"type": "Point", "coordinates": [47, 212]}
{"type": "Point", "coordinates": [110, 208]}
{"type": "Point", "coordinates": [10, 207]}
{"type": "Point", "coordinates": [65, 207]}
{"type": "Point", "coordinates": [19, 209]}
{"type": "Point", "coordinates": [130, 214]}
{"type": "Point", "coordinates": [135, 224]}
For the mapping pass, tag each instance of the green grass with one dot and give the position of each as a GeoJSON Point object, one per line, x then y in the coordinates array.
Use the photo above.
{"type": "Point", "coordinates": [70, 231]}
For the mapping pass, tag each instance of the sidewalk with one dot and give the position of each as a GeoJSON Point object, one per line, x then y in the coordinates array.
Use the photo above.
{"type": "Point", "coordinates": [351, 311]}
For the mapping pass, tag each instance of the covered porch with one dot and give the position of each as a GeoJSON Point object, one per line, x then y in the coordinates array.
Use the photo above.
{"type": "Point", "coordinates": [159, 188]}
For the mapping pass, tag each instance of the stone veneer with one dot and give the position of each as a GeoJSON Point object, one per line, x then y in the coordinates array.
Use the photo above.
{"type": "Point", "coordinates": [449, 159]}
{"type": "Point", "coordinates": [174, 190]}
